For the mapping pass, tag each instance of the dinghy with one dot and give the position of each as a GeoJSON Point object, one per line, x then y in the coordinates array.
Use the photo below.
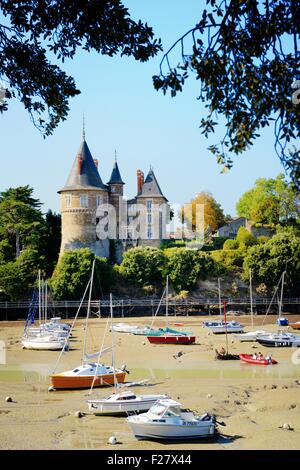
{"type": "Point", "coordinates": [260, 361]}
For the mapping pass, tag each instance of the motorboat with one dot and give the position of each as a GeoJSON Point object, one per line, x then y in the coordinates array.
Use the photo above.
{"type": "Point", "coordinates": [227, 327]}
{"type": "Point", "coordinates": [279, 340]}
{"type": "Point", "coordinates": [171, 338]}
{"type": "Point", "coordinates": [254, 359]}
{"type": "Point", "coordinates": [123, 403]}
{"type": "Point", "coordinates": [251, 335]}
{"type": "Point", "coordinates": [86, 375]}
{"type": "Point", "coordinates": [167, 420]}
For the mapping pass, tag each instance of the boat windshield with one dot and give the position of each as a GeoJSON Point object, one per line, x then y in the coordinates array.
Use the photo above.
{"type": "Point", "coordinates": [158, 409]}
{"type": "Point", "coordinates": [173, 411]}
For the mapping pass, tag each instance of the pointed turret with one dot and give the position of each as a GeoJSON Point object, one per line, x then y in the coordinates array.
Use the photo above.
{"type": "Point", "coordinates": [84, 173]}
{"type": "Point", "coordinates": [115, 177]}
{"type": "Point", "coordinates": [150, 187]}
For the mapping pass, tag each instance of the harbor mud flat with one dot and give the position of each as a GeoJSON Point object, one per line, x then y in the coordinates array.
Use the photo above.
{"type": "Point", "coordinates": [254, 401]}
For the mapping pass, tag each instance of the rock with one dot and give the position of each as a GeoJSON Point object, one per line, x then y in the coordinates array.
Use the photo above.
{"type": "Point", "coordinates": [79, 414]}
{"type": "Point", "coordinates": [237, 402]}
{"type": "Point", "coordinates": [273, 387]}
{"type": "Point", "coordinates": [253, 346]}
{"type": "Point", "coordinates": [291, 407]}
{"type": "Point", "coordinates": [143, 343]}
{"type": "Point", "coordinates": [51, 389]}
{"type": "Point", "coordinates": [209, 395]}
{"type": "Point", "coordinates": [112, 440]}
{"type": "Point", "coordinates": [9, 399]}
{"type": "Point", "coordinates": [284, 387]}
{"type": "Point", "coordinates": [287, 427]}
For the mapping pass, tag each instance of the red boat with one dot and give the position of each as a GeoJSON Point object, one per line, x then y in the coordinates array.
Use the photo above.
{"type": "Point", "coordinates": [249, 358]}
{"type": "Point", "coordinates": [172, 339]}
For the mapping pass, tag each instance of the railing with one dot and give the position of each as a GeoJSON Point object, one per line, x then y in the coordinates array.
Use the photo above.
{"type": "Point", "coordinates": [189, 302]}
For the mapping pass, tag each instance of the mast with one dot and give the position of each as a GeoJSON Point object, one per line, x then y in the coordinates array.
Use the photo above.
{"type": "Point", "coordinates": [113, 345]}
{"type": "Point", "coordinates": [281, 295]}
{"type": "Point", "coordinates": [225, 327]}
{"type": "Point", "coordinates": [88, 312]}
{"type": "Point", "coordinates": [167, 306]}
{"type": "Point", "coordinates": [251, 300]}
{"type": "Point", "coordinates": [220, 303]}
{"type": "Point", "coordinates": [40, 307]}
{"type": "Point", "coordinates": [46, 299]}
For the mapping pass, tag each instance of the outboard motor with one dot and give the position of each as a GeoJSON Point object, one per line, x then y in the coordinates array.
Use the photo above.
{"type": "Point", "coordinates": [123, 368]}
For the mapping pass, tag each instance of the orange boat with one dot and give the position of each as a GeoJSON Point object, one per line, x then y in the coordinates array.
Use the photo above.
{"type": "Point", "coordinates": [295, 326]}
{"type": "Point", "coordinates": [86, 375]}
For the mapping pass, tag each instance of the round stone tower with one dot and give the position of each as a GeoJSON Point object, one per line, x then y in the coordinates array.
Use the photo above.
{"type": "Point", "coordinates": [80, 197]}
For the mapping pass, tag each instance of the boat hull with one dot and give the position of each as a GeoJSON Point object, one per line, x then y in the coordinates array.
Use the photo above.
{"type": "Point", "coordinates": [250, 360]}
{"type": "Point", "coordinates": [278, 343]}
{"type": "Point", "coordinates": [60, 381]}
{"type": "Point", "coordinates": [171, 339]}
{"type": "Point", "coordinates": [295, 326]}
{"type": "Point", "coordinates": [43, 346]}
{"type": "Point", "coordinates": [160, 431]}
{"type": "Point", "coordinates": [121, 408]}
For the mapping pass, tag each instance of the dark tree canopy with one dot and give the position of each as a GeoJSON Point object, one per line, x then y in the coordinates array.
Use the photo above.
{"type": "Point", "coordinates": [245, 55]}
{"type": "Point", "coordinates": [30, 30]}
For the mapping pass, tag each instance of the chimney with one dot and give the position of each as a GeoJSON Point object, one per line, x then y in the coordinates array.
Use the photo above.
{"type": "Point", "coordinates": [96, 162]}
{"type": "Point", "coordinates": [140, 180]}
{"type": "Point", "coordinates": [79, 163]}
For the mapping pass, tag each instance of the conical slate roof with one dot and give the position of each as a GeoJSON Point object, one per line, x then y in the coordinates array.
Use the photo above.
{"type": "Point", "coordinates": [115, 177]}
{"type": "Point", "coordinates": [84, 173]}
{"type": "Point", "coordinates": [151, 187]}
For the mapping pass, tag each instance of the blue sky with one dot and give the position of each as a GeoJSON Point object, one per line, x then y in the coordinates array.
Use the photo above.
{"type": "Point", "coordinates": [124, 112]}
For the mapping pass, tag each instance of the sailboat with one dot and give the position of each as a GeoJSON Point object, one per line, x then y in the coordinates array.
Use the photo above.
{"type": "Point", "coordinates": [167, 335]}
{"type": "Point", "coordinates": [222, 326]}
{"type": "Point", "coordinates": [280, 339]}
{"type": "Point", "coordinates": [47, 336]}
{"type": "Point", "coordinates": [224, 354]}
{"type": "Point", "coordinates": [88, 373]}
{"type": "Point", "coordinates": [121, 403]}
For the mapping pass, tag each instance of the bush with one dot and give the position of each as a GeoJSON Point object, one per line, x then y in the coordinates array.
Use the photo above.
{"type": "Point", "coordinates": [73, 271]}
{"type": "Point", "coordinates": [244, 237]}
{"type": "Point", "coordinates": [143, 265]}
{"type": "Point", "coordinates": [231, 245]}
{"type": "Point", "coordinates": [228, 259]}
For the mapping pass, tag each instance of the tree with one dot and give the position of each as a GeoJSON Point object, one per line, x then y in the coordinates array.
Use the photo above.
{"type": "Point", "coordinates": [268, 261]}
{"type": "Point", "coordinates": [31, 31]}
{"type": "Point", "coordinates": [213, 213]}
{"type": "Point", "coordinates": [185, 267]}
{"type": "Point", "coordinates": [270, 201]}
{"type": "Point", "coordinates": [50, 239]}
{"type": "Point", "coordinates": [143, 265]}
{"type": "Point", "coordinates": [246, 58]}
{"type": "Point", "coordinates": [20, 217]}
{"type": "Point", "coordinates": [73, 271]}
{"type": "Point", "coordinates": [17, 278]}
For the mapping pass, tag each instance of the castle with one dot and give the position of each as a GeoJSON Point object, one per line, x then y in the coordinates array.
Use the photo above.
{"type": "Point", "coordinates": [97, 216]}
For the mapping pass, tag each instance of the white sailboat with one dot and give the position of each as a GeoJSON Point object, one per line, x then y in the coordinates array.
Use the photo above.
{"type": "Point", "coordinates": [166, 420]}
{"type": "Point", "coordinates": [44, 337]}
{"type": "Point", "coordinates": [123, 402]}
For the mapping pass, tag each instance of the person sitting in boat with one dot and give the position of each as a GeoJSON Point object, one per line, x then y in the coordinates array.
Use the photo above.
{"type": "Point", "coordinates": [269, 358]}
{"type": "Point", "coordinates": [222, 351]}
{"type": "Point", "coordinates": [254, 355]}
{"type": "Point", "coordinates": [260, 356]}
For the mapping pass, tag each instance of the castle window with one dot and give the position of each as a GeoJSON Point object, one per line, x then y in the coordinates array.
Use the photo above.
{"type": "Point", "coordinates": [68, 200]}
{"type": "Point", "coordinates": [84, 200]}
{"type": "Point", "coordinates": [149, 232]}
{"type": "Point", "coordinates": [149, 217]}
{"type": "Point", "coordinates": [149, 205]}
{"type": "Point", "coordinates": [99, 200]}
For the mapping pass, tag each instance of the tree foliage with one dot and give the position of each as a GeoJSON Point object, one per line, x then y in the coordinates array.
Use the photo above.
{"type": "Point", "coordinates": [245, 55]}
{"type": "Point", "coordinates": [73, 271]}
{"type": "Point", "coordinates": [185, 267]}
{"type": "Point", "coordinates": [270, 201]}
{"type": "Point", "coordinates": [31, 31]}
{"type": "Point", "coordinates": [268, 261]}
{"type": "Point", "coordinates": [213, 213]}
{"type": "Point", "coordinates": [143, 265]}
